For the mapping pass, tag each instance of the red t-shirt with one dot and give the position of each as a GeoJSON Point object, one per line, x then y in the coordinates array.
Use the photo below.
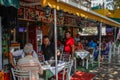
{"type": "Point", "coordinates": [68, 43]}
{"type": "Point", "coordinates": [80, 47]}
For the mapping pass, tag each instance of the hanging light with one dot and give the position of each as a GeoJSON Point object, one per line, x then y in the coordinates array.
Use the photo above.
{"type": "Point", "coordinates": [60, 14]}
{"type": "Point", "coordinates": [47, 11]}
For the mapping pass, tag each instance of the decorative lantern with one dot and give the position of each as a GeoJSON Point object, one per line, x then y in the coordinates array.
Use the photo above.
{"type": "Point", "coordinates": [47, 11]}
{"type": "Point", "coordinates": [60, 14]}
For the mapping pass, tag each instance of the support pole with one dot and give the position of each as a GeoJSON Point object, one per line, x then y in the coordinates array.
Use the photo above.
{"type": "Point", "coordinates": [115, 32]}
{"type": "Point", "coordinates": [99, 56]}
{"type": "Point", "coordinates": [0, 45]}
{"type": "Point", "coordinates": [55, 40]}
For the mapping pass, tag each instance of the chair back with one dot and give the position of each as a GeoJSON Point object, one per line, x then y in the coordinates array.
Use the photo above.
{"type": "Point", "coordinates": [65, 57]}
{"type": "Point", "coordinates": [68, 68]}
{"type": "Point", "coordinates": [21, 75]}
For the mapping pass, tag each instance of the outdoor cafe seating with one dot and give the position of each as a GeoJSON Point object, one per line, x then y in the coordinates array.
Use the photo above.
{"type": "Point", "coordinates": [83, 54]}
{"type": "Point", "coordinates": [63, 68]}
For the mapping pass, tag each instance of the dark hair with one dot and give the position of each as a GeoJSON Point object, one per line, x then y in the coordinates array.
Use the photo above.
{"type": "Point", "coordinates": [68, 32]}
{"type": "Point", "coordinates": [79, 41]}
{"type": "Point", "coordinates": [45, 37]}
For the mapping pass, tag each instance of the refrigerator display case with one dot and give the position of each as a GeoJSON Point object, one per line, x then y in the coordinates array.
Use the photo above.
{"type": "Point", "coordinates": [39, 40]}
{"type": "Point", "coordinates": [35, 37]}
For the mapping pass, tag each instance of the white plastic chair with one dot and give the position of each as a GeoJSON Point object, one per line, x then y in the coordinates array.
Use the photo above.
{"type": "Point", "coordinates": [65, 57]}
{"type": "Point", "coordinates": [66, 71]}
{"type": "Point", "coordinates": [91, 51]}
{"type": "Point", "coordinates": [20, 75]}
{"type": "Point", "coordinates": [68, 67]}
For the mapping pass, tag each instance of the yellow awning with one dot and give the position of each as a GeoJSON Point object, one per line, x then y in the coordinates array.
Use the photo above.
{"type": "Point", "coordinates": [104, 12]}
{"type": "Point", "coordinates": [80, 12]}
{"type": "Point", "coordinates": [116, 14]}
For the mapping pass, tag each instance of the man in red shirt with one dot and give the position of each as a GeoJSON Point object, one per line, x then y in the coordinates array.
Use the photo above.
{"type": "Point", "coordinates": [69, 44]}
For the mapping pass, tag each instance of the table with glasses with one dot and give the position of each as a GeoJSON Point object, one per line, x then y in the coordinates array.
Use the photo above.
{"type": "Point", "coordinates": [83, 54]}
{"type": "Point", "coordinates": [49, 70]}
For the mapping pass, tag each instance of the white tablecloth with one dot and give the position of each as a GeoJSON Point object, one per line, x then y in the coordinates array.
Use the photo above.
{"type": "Point", "coordinates": [60, 65]}
{"type": "Point", "coordinates": [82, 54]}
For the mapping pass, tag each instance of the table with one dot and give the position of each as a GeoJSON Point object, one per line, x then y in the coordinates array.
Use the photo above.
{"type": "Point", "coordinates": [83, 54]}
{"type": "Point", "coordinates": [49, 71]}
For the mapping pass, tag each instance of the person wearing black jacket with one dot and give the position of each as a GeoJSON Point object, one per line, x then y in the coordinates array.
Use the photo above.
{"type": "Point", "coordinates": [48, 49]}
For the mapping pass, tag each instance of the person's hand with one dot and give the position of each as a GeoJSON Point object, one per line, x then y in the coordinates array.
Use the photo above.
{"type": "Point", "coordinates": [58, 52]}
{"type": "Point", "coordinates": [14, 66]}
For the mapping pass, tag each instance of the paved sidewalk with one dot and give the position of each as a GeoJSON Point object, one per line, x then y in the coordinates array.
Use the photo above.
{"type": "Point", "coordinates": [108, 71]}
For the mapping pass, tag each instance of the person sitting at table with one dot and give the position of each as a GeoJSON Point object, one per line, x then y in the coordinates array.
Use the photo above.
{"type": "Point", "coordinates": [79, 46]}
{"type": "Point", "coordinates": [19, 54]}
{"type": "Point", "coordinates": [93, 44]}
{"type": "Point", "coordinates": [47, 49]}
{"type": "Point", "coordinates": [103, 49]}
{"type": "Point", "coordinates": [29, 63]}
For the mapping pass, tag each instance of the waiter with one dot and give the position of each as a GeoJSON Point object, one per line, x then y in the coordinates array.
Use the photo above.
{"type": "Point", "coordinates": [69, 44]}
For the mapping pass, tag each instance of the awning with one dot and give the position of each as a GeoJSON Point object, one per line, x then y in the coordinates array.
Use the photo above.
{"type": "Point", "coordinates": [7, 3]}
{"type": "Point", "coordinates": [87, 13]}
{"type": "Point", "coordinates": [116, 14]}
{"type": "Point", "coordinates": [104, 12]}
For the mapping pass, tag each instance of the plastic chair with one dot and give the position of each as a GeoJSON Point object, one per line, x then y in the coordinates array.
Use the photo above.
{"type": "Point", "coordinates": [69, 67]}
{"type": "Point", "coordinates": [65, 57]}
{"type": "Point", "coordinates": [66, 71]}
{"type": "Point", "coordinates": [91, 51]}
{"type": "Point", "coordinates": [21, 75]}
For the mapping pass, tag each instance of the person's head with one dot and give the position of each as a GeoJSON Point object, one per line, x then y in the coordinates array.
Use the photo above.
{"type": "Point", "coordinates": [77, 35]}
{"type": "Point", "coordinates": [28, 49]}
{"type": "Point", "coordinates": [46, 40]}
{"type": "Point", "coordinates": [79, 43]}
{"type": "Point", "coordinates": [67, 34]}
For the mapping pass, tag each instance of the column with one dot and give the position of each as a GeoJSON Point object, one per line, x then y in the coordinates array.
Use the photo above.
{"type": "Point", "coordinates": [0, 45]}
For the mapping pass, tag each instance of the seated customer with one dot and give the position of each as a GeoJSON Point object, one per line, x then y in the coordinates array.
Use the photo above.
{"type": "Point", "coordinates": [29, 63]}
{"type": "Point", "coordinates": [79, 46]}
{"type": "Point", "coordinates": [20, 54]}
{"type": "Point", "coordinates": [48, 49]}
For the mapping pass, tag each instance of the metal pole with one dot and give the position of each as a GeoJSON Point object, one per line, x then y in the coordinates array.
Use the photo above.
{"type": "Point", "coordinates": [55, 40]}
{"type": "Point", "coordinates": [115, 34]}
{"type": "Point", "coordinates": [0, 45]}
{"type": "Point", "coordinates": [100, 25]}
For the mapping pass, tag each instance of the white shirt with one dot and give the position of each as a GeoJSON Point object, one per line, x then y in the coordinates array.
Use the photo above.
{"type": "Point", "coordinates": [22, 54]}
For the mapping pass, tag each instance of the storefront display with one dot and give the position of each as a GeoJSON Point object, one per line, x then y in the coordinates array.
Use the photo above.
{"type": "Point", "coordinates": [5, 49]}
